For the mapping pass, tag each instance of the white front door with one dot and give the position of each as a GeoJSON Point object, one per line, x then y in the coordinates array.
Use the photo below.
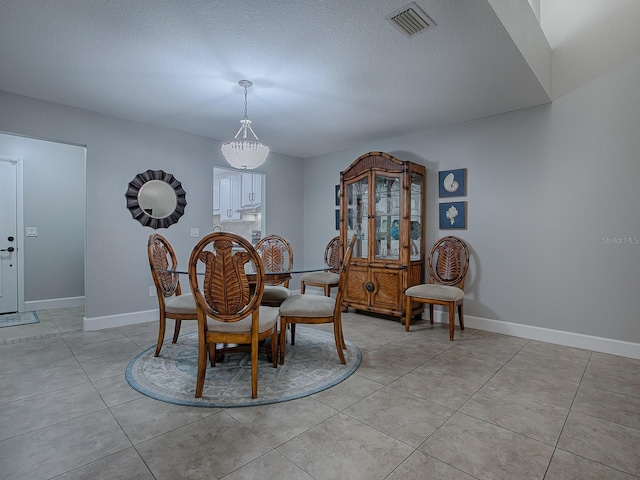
{"type": "Point", "coordinates": [8, 237]}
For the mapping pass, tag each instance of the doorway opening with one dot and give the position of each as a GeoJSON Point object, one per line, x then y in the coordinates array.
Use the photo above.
{"type": "Point", "coordinates": [238, 203]}
{"type": "Point", "coordinates": [50, 227]}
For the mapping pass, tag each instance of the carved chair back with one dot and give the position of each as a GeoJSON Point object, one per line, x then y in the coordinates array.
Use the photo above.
{"type": "Point", "coordinates": [448, 262]}
{"type": "Point", "coordinates": [161, 258]}
{"type": "Point", "coordinates": [224, 291]}
{"type": "Point", "coordinates": [333, 254]}
{"type": "Point", "coordinates": [277, 256]}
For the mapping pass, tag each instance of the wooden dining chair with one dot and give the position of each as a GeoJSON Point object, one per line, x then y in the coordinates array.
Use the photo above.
{"type": "Point", "coordinates": [172, 303]}
{"type": "Point", "coordinates": [316, 309]}
{"type": "Point", "coordinates": [277, 256]}
{"type": "Point", "coordinates": [329, 278]}
{"type": "Point", "coordinates": [448, 264]}
{"type": "Point", "coordinates": [229, 311]}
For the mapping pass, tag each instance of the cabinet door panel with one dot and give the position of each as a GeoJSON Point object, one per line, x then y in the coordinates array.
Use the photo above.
{"type": "Point", "coordinates": [216, 197]}
{"type": "Point", "coordinates": [251, 190]}
{"type": "Point", "coordinates": [388, 289]}
{"type": "Point", "coordinates": [356, 280]}
{"type": "Point", "coordinates": [230, 198]}
{"type": "Point", "coordinates": [357, 216]}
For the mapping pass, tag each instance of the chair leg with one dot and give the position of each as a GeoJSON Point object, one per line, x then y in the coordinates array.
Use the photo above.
{"type": "Point", "coordinates": [407, 312]}
{"type": "Point", "coordinates": [431, 313]}
{"type": "Point", "coordinates": [283, 338]}
{"type": "Point", "coordinates": [337, 336]}
{"type": "Point", "coordinates": [327, 291]}
{"type": "Point", "coordinates": [302, 287]}
{"type": "Point", "coordinates": [342, 342]}
{"type": "Point", "coordinates": [160, 334]}
{"type": "Point", "coordinates": [293, 334]}
{"type": "Point", "coordinates": [212, 354]}
{"type": "Point", "coordinates": [176, 331]}
{"type": "Point", "coordinates": [274, 346]}
{"type": "Point", "coordinates": [202, 365]}
{"type": "Point", "coordinates": [254, 367]}
{"type": "Point", "coordinates": [452, 312]}
{"type": "Point", "coordinates": [461, 316]}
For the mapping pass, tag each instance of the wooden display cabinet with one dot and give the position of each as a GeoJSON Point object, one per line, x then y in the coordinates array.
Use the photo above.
{"type": "Point", "coordinates": [383, 203]}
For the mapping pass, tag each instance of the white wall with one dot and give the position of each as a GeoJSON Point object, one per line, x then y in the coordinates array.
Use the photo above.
{"type": "Point", "coordinates": [547, 187]}
{"type": "Point", "coordinates": [54, 201]}
{"type": "Point", "coordinates": [117, 269]}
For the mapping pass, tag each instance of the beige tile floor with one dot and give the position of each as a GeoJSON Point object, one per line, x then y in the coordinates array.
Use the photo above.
{"type": "Point", "coordinates": [485, 406]}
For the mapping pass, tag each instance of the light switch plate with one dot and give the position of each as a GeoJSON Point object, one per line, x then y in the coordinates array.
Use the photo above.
{"type": "Point", "coordinates": [195, 232]}
{"type": "Point", "coordinates": [31, 231]}
{"type": "Point", "coordinates": [152, 291]}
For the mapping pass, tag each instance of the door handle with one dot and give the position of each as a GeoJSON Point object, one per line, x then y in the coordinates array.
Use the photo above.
{"type": "Point", "coordinates": [10, 249]}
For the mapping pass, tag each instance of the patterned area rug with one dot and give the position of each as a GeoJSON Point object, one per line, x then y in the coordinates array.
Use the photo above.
{"type": "Point", "coordinates": [13, 319]}
{"type": "Point", "coordinates": [311, 365]}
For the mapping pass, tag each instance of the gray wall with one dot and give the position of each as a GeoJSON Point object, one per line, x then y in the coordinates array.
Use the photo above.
{"type": "Point", "coordinates": [550, 190]}
{"type": "Point", "coordinates": [54, 202]}
{"type": "Point", "coordinates": [117, 269]}
{"type": "Point", "coordinates": [547, 188]}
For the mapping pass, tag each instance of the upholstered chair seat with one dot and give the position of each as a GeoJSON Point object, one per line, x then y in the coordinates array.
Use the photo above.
{"type": "Point", "coordinates": [274, 295]}
{"type": "Point", "coordinates": [268, 318]}
{"type": "Point", "coordinates": [444, 293]}
{"type": "Point", "coordinates": [308, 306]}
{"type": "Point", "coordinates": [322, 278]}
{"type": "Point", "coordinates": [184, 303]}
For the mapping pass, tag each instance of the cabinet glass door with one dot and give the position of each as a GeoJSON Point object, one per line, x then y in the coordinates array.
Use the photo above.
{"type": "Point", "coordinates": [415, 205]}
{"type": "Point", "coordinates": [357, 216]}
{"type": "Point", "coordinates": [387, 217]}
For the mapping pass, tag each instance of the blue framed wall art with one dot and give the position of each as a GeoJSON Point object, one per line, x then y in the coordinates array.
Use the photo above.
{"type": "Point", "coordinates": [453, 215]}
{"type": "Point", "coordinates": [452, 183]}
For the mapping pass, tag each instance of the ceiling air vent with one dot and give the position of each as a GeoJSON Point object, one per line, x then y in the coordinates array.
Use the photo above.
{"type": "Point", "coordinates": [410, 20]}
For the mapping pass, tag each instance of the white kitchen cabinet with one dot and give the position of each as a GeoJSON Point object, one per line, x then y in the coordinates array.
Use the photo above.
{"type": "Point", "coordinates": [230, 198]}
{"type": "Point", "coordinates": [216, 197]}
{"type": "Point", "coordinates": [251, 190]}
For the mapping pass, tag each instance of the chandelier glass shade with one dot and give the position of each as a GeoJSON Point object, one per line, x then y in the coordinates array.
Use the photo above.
{"type": "Point", "coordinates": [242, 151]}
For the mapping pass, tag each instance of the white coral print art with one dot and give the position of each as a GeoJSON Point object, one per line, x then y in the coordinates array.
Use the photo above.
{"type": "Point", "coordinates": [452, 213]}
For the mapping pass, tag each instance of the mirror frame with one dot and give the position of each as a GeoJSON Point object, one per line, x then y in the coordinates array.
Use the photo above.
{"type": "Point", "coordinates": [139, 214]}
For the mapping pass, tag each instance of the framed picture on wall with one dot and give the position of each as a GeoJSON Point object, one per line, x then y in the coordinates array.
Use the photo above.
{"type": "Point", "coordinates": [453, 215]}
{"type": "Point", "coordinates": [337, 219]}
{"type": "Point", "coordinates": [337, 195]}
{"type": "Point", "coordinates": [452, 183]}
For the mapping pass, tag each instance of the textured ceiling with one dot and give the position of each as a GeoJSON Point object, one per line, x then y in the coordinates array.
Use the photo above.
{"type": "Point", "coordinates": [327, 74]}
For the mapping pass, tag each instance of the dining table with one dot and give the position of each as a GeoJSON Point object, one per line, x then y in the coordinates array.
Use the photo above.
{"type": "Point", "coordinates": [270, 276]}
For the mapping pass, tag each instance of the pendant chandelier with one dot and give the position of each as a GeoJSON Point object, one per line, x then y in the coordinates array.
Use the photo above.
{"type": "Point", "coordinates": [242, 151]}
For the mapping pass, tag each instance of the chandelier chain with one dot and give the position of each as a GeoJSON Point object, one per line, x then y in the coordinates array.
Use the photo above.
{"type": "Point", "coordinates": [245, 103]}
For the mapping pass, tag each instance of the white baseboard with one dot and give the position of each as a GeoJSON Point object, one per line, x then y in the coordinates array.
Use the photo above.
{"type": "Point", "coordinates": [111, 321]}
{"type": "Point", "coordinates": [53, 303]}
{"type": "Point", "coordinates": [559, 337]}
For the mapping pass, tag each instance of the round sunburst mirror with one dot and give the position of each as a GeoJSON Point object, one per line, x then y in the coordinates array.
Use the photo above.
{"type": "Point", "coordinates": [156, 199]}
